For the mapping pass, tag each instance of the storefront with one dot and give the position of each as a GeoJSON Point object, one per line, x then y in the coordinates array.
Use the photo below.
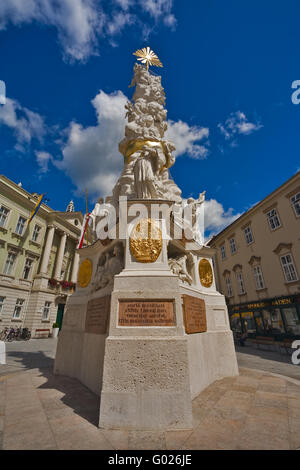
{"type": "Point", "coordinates": [277, 317]}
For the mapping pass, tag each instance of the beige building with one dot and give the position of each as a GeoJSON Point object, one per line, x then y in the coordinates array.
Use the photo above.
{"type": "Point", "coordinates": [257, 264]}
{"type": "Point", "coordinates": [38, 263]}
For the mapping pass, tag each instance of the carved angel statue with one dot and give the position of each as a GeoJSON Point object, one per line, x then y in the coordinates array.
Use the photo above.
{"type": "Point", "coordinates": [109, 264]}
{"type": "Point", "coordinates": [178, 267]}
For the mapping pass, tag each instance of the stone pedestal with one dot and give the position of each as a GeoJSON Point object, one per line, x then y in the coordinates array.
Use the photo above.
{"type": "Point", "coordinates": [146, 382]}
{"type": "Point", "coordinates": [146, 343]}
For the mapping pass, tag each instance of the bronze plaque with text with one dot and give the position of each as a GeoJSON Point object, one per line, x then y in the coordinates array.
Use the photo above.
{"type": "Point", "coordinates": [146, 313]}
{"type": "Point", "coordinates": [194, 314]}
{"type": "Point", "coordinates": [97, 315]}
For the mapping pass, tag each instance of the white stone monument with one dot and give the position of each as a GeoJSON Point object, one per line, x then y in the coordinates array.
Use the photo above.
{"type": "Point", "coordinates": [146, 329]}
{"type": "Point", "coordinates": [2, 352]}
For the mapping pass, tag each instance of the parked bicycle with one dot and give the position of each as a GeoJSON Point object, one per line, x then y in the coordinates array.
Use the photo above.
{"type": "Point", "coordinates": [26, 334]}
{"type": "Point", "coordinates": [3, 334]}
{"type": "Point", "coordinates": [12, 334]}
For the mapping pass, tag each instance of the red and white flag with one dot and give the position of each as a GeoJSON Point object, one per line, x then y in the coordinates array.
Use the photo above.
{"type": "Point", "coordinates": [83, 230]}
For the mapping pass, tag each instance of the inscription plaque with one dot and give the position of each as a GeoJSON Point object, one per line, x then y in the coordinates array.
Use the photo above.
{"type": "Point", "coordinates": [146, 313]}
{"type": "Point", "coordinates": [194, 314]}
{"type": "Point", "coordinates": [97, 315]}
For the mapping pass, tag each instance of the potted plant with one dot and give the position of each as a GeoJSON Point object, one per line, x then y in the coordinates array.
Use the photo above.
{"type": "Point", "coordinates": [55, 330]}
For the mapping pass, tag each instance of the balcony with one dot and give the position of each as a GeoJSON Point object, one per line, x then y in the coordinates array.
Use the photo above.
{"type": "Point", "coordinates": [61, 287]}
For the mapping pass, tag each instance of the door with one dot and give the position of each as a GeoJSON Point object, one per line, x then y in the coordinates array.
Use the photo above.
{"type": "Point", "coordinates": [60, 314]}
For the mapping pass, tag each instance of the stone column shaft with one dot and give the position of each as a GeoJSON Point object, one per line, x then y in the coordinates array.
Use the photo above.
{"type": "Point", "coordinates": [60, 256]}
{"type": "Point", "coordinates": [47, 250]}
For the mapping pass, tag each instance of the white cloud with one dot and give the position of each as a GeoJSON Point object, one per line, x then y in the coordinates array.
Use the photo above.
{"type": "Point", "coordinates": [237, 124]}
{"type": "Point", "coordinates": [186, 139]}
{"type": "Point", "coordinates": [43, 159]}
{"type": "Point", "coordinates": [160, 9]}
{"type": "Point", "coordinates": [81, 23]}
{"type": "Point", "coordinates": [26, 124]}
{"type": "Point", "coordinates": [216, 218]}
{"type": "Point", "coordinates": [90, 154]}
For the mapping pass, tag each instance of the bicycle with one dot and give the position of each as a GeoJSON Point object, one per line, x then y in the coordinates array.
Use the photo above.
{"type": "Point", "coordinates": [3, 334]}
{"type": "Point", "coordinates": [26, 334]}
{"type": "Point", "coordinates": [11, 335]}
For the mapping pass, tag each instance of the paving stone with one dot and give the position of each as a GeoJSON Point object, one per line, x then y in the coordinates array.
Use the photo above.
{"type": "Point", "coordinates": [176, 439]}
{"type": "Point", "coordinates": [250, 373]}
{"type": "Point", "coordinates": [233, 399]}
{"type": "Point", "coordinates": [269, 413]}
{"type": "Point", "coordinates": [272, 384]}
{"type": "Point", "coordinates": [214, 434]}
{"type": "Point", "coordinates": [200, 410]}
{"type": "Point", "coordinates": [146, 440]}
{"type": "Point", "coordinates": [118, 439]}
{"type": "Point", "coordinates": [269, 399]}
{"type": "Point", "coordinates": [33, 439]}
{"type": "Point", "coordinates": [293, 390]}
{"type": "Point", "coordinates": [259, 441]}
{"type": "Point", "coordinates": [87, 440]}
{"type": "Point", "coordinates": [14, 423]}
{"type": "Point", "coordinates": [236, 413]}
{"type": "Point", "coordinates": [68, 424]}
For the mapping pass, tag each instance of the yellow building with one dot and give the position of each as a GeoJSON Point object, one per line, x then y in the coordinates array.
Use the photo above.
{"type": "Point", "coordinates": [38, 263]}
{"type": "Point", "coordinates": [257, 265]}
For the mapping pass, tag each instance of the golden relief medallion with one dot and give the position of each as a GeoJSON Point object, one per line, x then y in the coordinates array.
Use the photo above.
{"type": "Point", "coordinates": [85, 273]}
{"type": "Point", "coordinates": [205, 273]}
{"type": "Point", "coordinates": [145, 241]}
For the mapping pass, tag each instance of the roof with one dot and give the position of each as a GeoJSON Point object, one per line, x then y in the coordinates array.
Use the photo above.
{"type": "Point", "coordinates": [60, 215]}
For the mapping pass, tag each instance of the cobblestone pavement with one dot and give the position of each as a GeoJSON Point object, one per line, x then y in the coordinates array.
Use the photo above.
{"type": "Point", "coordinates": [35, 353]}
{"type": "Point", "coordinates": [255, 410]}
{"type": "Point", "coordinates": [269, 361]}
{"type": "Point", "coordinates": [252, 411]}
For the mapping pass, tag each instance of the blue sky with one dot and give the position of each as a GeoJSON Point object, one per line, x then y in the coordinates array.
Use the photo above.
{"type": "Point", "coordinates": [228, 70]}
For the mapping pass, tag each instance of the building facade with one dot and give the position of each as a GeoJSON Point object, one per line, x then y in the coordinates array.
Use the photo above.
{"type": "Point", "coordinates": [257, 265]}
{"type": "Point", "coordinates": [38, 261]}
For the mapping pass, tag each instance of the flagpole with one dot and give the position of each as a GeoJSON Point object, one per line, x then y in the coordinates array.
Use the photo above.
{"type": "Point", "coordinates": [86, 213]}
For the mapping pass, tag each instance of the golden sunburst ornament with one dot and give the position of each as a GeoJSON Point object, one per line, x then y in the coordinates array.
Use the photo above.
{"type": "Point", "coordinates": [148, 57]}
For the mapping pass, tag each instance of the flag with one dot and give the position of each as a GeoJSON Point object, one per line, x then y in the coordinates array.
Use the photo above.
{"type": "Point", "coordinates": [36, 208]}
{"type": "Point", "coordinates": [83, 230]}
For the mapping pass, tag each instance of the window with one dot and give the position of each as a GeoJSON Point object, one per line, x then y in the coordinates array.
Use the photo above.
{"type": "Point", "coordinates": [295, 200]}
{"type": "Point", "coordinates": [10, 260]}
{"type": "Point", "coordinates": [228, 286]}
{"type": "Point", "coordinates": [223, 252]}
{"type": "Point", "coordinates": [273, 219]}
{"type": "Point", "coordinates": [235, 322]}
{"type": "Point", "coordinates": [18, 308]}
{"type": "Point", "coordinates": [248, 322]}
{"type": "Point", "coordinates": [240, 282]}
{"type": "Point", "coordinates": [36, 232]}
{"type": "Point", "coordinates": [248, 235]}
{"type": "Point", "coordinates": [20, 225]}
{"type": "Point", "coordinates": [3, 216]}
{"type": "Point", "coordinates": [288, 268]}
{"type": "Point", "coordinates": [1, 303]}
{"type": "Point", "coordinates": [27, 268]}
{"type": "Point", "coordinates": [232, 245]}
{"type": "Point", "coordinates": [46, 311]}
{"type": "Point", "coordinates": [258, 278]}
{"type": "Point", "coordinates": [273, 322]}
{"type": "Point", "coordinates": [291, 320]}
